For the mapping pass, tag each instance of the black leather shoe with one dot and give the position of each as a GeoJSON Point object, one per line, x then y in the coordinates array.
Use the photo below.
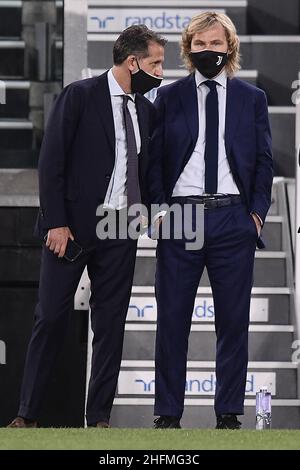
{"type": "Point", "coordinates": [228, 421]}
{"type": "Point", "coordinates": [99, 424]}
{"type": "Point", "coordinates": [102, 424]}
{"type": "Point", "coordinates": [20, 422]}
{"type": "Point", "coordinates": [167, 422]}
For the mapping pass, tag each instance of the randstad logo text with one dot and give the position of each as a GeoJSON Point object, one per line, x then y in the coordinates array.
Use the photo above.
{"type": "Point", "coordinates": [146, 386]}
{"type": "Point", "coordinates": [145, 309]}
{"type": "Point", "coordinates": [113, 20]}
{"type": "Point", "coordinates": [141, 382]}
{"type": "Point", "coordinates": [204, 309]}
{"type": "Point", "coordinates": [196, 386]}
{"type": "Point", "coordinates": [141, 311]}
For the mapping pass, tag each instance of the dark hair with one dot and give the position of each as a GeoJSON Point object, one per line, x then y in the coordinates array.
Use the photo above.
{"type": "Point", "coordinates": [135, 41]}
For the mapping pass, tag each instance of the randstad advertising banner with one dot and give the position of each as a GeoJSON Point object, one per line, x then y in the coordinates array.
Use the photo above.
{"type": "Point", "coordinates": [143, 309]}
{"type": "Point", "coordinates": [164, 20]}
{"type": "Point", "coordinates": [142, 382]}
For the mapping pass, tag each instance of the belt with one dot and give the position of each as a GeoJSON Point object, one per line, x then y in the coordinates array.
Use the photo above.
{"type": "Point", "coordinates": [209, 201]}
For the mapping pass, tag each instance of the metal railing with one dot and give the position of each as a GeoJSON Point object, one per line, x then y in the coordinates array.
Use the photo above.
{"type": "Point", "coordinates": [297, 225]}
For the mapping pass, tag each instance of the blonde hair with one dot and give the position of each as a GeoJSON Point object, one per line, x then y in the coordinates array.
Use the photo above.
{"type": "Point", "coordinates": [203, 22]}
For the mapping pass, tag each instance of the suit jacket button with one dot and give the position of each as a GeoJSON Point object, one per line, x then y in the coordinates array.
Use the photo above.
{"type": "Point", "coordinates": [107, 177]}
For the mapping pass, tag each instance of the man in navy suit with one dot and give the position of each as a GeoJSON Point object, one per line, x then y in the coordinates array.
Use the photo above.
{"type": "Point", "coordinates": [97, 129]}
{"type": "Point", "coordinates": [212, 146]}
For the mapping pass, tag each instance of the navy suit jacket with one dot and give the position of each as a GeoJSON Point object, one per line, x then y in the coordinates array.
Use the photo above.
{"type": "Point", "coordinates": [247, 141]}
{"type": "Point", "coordinates": [78, 155]}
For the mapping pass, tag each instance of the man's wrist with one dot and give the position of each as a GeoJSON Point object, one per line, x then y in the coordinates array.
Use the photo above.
{"type": "Point", "coordinates": [257, 217]}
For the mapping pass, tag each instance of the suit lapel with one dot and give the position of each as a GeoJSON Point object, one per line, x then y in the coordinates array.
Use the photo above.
{"type": "Point", "coordinates": [104, 108]}
{"type": "Point", "coordinates": [234, 107]}
{"type": "Point", "coordinates": [189, 102]}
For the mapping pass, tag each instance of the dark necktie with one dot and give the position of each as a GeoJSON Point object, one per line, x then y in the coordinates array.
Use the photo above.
{"type": "Point", "coordinates": [133, 185]}
{"type": "Point", "coordinates": [211, 138]}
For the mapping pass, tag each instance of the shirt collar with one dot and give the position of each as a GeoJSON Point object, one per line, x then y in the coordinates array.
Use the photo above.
{"type": "Point", "coordinates": [221, 79]}
{"type": "Point", "coordinates": [114, 87]}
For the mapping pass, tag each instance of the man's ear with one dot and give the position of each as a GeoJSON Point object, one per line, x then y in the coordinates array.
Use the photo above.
{"type": "Point", "coordinates": [131, 63]}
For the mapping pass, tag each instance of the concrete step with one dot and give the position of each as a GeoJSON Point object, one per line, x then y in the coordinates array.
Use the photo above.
{"type": "Point", "coordinates": [15, 134]}
{"type": "Point", "coordinates": [140, 339]}
{"type": "Point", "coordinates": [17, 224]}
{"type": "Point", "coordinates": [138, 412]}
{"type": "Point", "coordinates": [16, 159]}
{"type": "Point", "coordinates": [11, 58]}
{"type": "Point", "coordinates": [10, 18]}
{"type": "Point", "coordinates": [170, 18]}
{"type": "Point", "coordinates": [274, 208]}
{"type": "Point", "coordinates": [21, 264]}
{"type": "Point", "coordinates": [268, 306]}
{"type": "Point", "coordinates": [19, 300]}
{"type": "Point", "coordinates": [273, 17]}
{"type": "Point", "coordinates": [19, 190]}
{"type": "Point", "coordinates": [137, 379]}
{"type": "Point", "coordinates": [269, 270]}
{"type": "Point", "coordinates": [283, 127]}
{"type": "Point", "coordinates": [17, 99]}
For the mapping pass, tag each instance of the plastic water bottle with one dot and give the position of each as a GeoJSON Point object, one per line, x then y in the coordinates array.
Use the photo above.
{"type": "Point", "coordinates": [263, 409]}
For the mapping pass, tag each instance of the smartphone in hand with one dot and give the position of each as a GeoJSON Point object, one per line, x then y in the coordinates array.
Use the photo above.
{"type": "Point", "coordinates": [73, 250]}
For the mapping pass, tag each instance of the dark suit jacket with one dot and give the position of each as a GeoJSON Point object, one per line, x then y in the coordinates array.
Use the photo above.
{"type": "Point", "coordinates": [247, 141]}
{"type": "Point", "coordinates": [78, 155]}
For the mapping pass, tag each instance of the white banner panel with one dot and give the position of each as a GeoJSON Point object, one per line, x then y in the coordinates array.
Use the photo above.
{"type": "Point", "coordinates": [144, 309]}
{"type": "Point", "coordinates": [142, 382]}
{"type": "Point", "coordinates": [164, 20]}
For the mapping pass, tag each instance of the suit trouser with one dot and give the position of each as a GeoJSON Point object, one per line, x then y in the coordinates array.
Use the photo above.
{"type": "Point", "coordinates": [228, 252]}
{"type": "Point", "coordinates": [110, 267]}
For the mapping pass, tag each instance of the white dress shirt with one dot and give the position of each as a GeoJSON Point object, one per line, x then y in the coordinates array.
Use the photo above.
{"type": "Point", "coordinates": [116, 192]}
{"type": "Point", "coordinates": [192, 180]}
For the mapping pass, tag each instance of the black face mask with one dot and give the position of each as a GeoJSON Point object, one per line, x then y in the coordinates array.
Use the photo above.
{"type": "Point", "coordinates": [209, 63]}
{"type": "Point", "coordinates": [142, 82]}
